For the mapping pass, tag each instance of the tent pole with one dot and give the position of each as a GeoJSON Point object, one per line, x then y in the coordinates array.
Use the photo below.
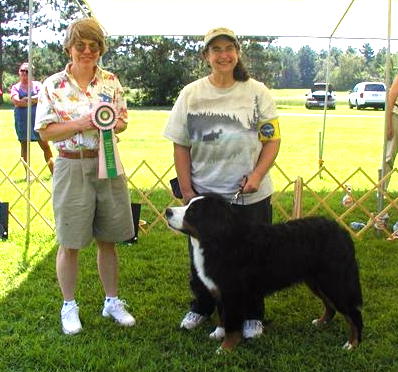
{"type": "Point", "coordinates": [82, 9]}
{"type": "Point", "coordinates": [387, 74]}
{"type": "Point", "coordinates": [325, 106]}
{"type": "Point", "coordinates": [29, 126]}
{"type": "Point", "coordinates": [322, 134]}
{"type": "Point", "coordinates": [29, 119]}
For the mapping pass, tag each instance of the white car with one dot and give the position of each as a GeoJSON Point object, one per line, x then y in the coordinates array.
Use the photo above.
{"type": "Point", "coordinates": [368, 94]}
{"type": "Point", "coordinates": [316, 97]}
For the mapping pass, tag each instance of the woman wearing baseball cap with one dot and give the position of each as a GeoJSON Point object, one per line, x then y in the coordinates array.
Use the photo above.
{"type": "Point", "coordinates": [225, 132]}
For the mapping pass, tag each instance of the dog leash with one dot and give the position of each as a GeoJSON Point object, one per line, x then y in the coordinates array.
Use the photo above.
{"type": "Point", "coordinates": [239, 193]}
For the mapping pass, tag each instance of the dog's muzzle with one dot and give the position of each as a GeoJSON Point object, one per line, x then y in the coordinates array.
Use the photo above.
{"type": "Point", "coordinates": [175, 217]}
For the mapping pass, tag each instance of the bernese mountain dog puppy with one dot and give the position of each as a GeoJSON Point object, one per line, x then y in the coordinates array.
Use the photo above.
{"type": "Point", "coordinates": [238, 260]}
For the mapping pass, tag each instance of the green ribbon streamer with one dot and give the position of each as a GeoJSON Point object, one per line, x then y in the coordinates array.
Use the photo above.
{"type": "Point", "coordinates": [109, 153]}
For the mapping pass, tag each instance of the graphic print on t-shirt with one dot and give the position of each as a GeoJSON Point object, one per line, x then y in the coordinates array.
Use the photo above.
{"type": "Point", "coordinates": [225, 136]}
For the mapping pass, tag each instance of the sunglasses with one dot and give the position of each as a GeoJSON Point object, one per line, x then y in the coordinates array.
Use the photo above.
{"type": "Point", "coordinates": [24, 71]}
{"type": "Point", "coordinates": [80, 46]}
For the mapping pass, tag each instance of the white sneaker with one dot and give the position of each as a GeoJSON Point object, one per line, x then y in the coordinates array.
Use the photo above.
{"type": "Point", "coordinates": [70, 320]}
{"type": "Point", "coordinates": [252, 328]}
{"type": "Point", "coordinates": [192, 320]}
{"type": "Point", "coordinates": [218, 333]}
{"type": "Point", "coordinates": [116, 310]}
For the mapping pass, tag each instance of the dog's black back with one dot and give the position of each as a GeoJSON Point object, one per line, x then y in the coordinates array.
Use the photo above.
{"type": "Point", "coordinates": [252, 260]}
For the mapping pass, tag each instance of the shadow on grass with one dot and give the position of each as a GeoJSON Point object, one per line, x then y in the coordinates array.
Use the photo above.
{"type": "Point", "coordinates": [154, 282]}
{"type": "Point", "coordinates": [27, 260]}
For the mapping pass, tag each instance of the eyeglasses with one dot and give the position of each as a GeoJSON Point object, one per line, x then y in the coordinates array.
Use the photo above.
{"type": "Point", "coordinates": [218, 50]}
{"type": "Point", "coordinates": [81, 46]}
{"type": "Point", "coordinates": [24, 71]}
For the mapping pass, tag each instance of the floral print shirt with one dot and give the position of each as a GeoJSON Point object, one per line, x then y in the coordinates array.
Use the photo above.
{"type": "Point", "coordinates": [17, 90]}
{"type": "Point", "coordinates": [61, 100]}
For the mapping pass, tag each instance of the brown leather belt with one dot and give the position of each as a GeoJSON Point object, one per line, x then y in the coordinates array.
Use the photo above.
{"type": "Point", "coordinates": [78, 154]}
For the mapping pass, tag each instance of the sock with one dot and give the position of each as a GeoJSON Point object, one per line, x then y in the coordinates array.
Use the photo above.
{"type": "Point", "coordinates": [110, 299]}
{"type": "Point", "coordinates": [69, 303]}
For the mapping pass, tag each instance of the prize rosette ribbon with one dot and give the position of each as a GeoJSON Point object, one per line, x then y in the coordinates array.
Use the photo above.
{"type": "Point", "coordinates": [104, 118]}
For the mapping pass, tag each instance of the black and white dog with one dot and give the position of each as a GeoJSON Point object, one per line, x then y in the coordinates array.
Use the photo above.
{"type": "Point", "coordinates": [237, 260]}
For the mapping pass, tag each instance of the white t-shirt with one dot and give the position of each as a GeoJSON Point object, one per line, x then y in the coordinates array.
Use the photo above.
{"type": "Point", "coordinates": [221, 127]}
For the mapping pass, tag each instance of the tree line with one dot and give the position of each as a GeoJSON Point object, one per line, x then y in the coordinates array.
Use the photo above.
{"type": "Point", "coordinates": [155, 68]}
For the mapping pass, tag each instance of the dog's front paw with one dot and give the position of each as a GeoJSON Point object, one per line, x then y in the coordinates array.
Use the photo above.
{"type": "Point", "coordinates": [349, 346]}
{"type": "Point", "coordinates": [221, 351]}
{"type": "Point", "coordinates": [319, 322]}
{"type": "Point", "coordinates": [218, 333]}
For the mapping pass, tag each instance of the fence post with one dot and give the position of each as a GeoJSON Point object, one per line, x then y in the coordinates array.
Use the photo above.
{"type": "Point", "coordinates": [4, 220]}
{"type": "Point", "coordinates": [380, 195]}
{"type": "Point", "coordinates": [298, 198]}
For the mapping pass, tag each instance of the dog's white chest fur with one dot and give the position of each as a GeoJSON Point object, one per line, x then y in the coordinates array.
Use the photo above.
{"type": "Point", "coordinates": [199, 262]}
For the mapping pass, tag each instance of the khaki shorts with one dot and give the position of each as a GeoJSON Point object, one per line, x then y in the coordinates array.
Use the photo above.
{"type": "Point", "coordinates": [86, 207]}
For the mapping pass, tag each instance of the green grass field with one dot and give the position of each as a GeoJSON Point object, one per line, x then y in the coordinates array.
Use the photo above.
{"type": "Point", "coordinates": [154, 272]}
{"type": "Point", "coordinates": [352, 139]}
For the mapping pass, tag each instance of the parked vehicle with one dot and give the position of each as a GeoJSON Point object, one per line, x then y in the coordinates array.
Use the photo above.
{"type": "Point", "coordinates": [316, 97]}
{"type": "Point", "coordinates": [368, 94]}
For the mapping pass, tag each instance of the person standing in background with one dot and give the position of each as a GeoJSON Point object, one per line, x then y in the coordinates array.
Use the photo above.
{"type": "Point", "coordinates": [19, 98]}
{"type": "Point", "coordinates": [392, 128]}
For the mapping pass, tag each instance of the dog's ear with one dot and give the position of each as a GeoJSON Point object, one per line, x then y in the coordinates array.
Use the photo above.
{"type": "Point", "coordinates": [215, 218]}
